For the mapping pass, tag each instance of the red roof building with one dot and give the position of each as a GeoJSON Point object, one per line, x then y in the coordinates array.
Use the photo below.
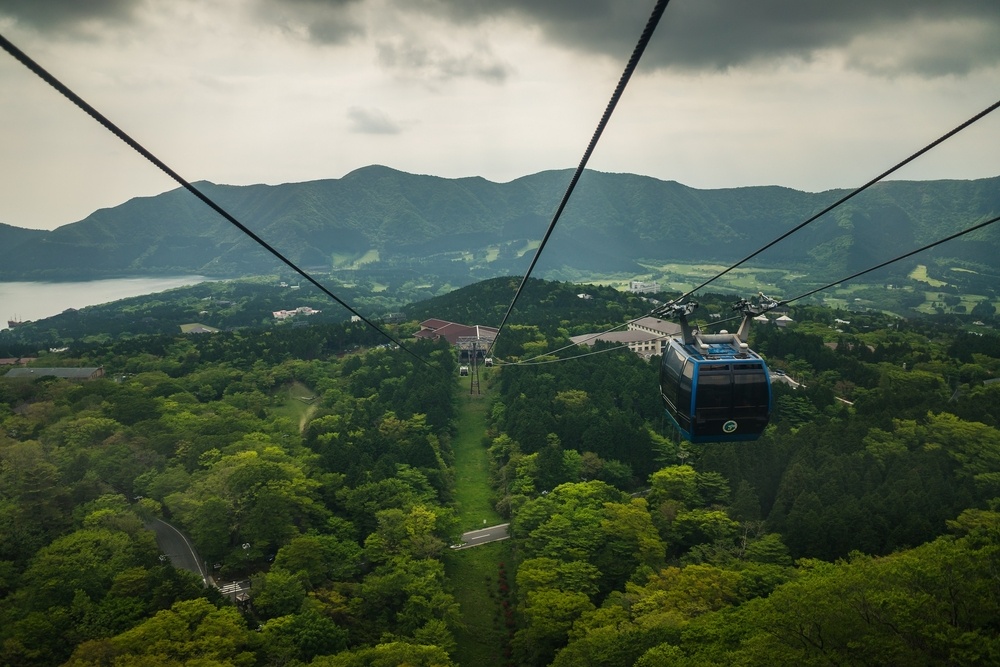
{"type": "Point", "coordinates": [453, 332]}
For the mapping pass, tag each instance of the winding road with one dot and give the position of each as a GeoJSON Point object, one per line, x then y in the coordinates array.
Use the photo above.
{"type": "Point", "coordinates": [177, 548]}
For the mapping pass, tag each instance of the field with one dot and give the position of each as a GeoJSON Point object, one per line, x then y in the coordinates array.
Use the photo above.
{"type": "Point", "coordinates": [912, 296]}
{"type": "Point", "coordinates": [295, 402]}
{"type": "Point", "coordinates": [354, 260]}
{"type": "Point", "coordinates": [920, 275]}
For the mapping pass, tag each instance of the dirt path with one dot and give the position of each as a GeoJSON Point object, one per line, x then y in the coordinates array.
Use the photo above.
{"type": "Point", "coordinates": [306, 416]}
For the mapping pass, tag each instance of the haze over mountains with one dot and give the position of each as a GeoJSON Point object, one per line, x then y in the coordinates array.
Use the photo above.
{"type": "Point", "coordinates": [381, 221]}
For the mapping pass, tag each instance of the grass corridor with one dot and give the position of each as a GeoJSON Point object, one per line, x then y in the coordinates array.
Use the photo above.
{"type": "Point", "coordinates": [473, 572]}
{"type": "Point", "coordinates": [472, 488]}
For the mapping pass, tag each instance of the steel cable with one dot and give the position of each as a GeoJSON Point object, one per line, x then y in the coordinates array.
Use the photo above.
{"type": "Point", "coordinates": [25, 60]}
{"type": "Point", "coordinates": [633, 62]}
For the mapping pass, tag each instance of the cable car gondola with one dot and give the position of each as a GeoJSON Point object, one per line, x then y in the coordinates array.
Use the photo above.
{"type": "Point", "coordinates": [714, 387]}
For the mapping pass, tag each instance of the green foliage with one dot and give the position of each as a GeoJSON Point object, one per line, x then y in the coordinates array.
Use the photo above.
{"type": "Point", "coordinates": [596, 407]}
{"type": "Point", "coordinates": [188, 631]}
{"type": "Point", "coordinates": [391, 654]}
{"type": "Point", "coordinates": [278, 593]}
{"type": "Point", "coordinates": [320, 558]}
{"type": "Point", "coordinates": [259, 495]}
{"type": "Point", "coordinates": [549, 615]}
{"type": "Point", "coordinates": [195, 432]}
{"type": "Point", "coordinates": [578, 543]}
{"type": "Point", "coordinates": [344, 516]}
{"type": "Point", "coordinates": [401, 596]}
{"type": "Point", "coordinates": [302, 636]}
{"type": "Point", "coordinates": [931, 605]}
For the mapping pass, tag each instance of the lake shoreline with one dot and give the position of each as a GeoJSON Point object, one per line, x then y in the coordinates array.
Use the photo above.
{"type": "Point", "coordinates": [32, 300]}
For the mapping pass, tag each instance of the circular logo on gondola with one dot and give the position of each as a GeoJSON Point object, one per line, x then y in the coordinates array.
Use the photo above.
{"type": "Point", "coordinates": [729, 426]}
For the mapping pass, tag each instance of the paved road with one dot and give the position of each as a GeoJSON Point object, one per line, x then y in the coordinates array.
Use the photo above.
{"type": "Point", "coordinates": [475, 538]}
{"type": "Point", "coordinates": [177, 548]}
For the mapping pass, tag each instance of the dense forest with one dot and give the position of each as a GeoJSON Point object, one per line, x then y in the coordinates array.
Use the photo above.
{"type": "Point", "coordinates": [316, 462]}
{"type": "Point", "coordinates": [338, 523]}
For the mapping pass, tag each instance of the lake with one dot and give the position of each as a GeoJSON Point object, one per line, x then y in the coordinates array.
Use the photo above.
{"type": "Point", "coordinates": [35, 300]}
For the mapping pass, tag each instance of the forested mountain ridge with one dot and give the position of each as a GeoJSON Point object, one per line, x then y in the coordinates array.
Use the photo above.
{"type": "Point", "coordinates": [382, 220]}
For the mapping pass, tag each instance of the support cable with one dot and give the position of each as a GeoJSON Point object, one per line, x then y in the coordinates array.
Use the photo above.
{"type": "Point", "coordinates": [534, 361]}
{"type": "Point", "coordinates": [981, 225]}
{"type": "Point", "coordinates": [25, 60]}
{"type": "Point", "coordinates": [538, 361]}
{"type": "Point", "coordinates": [528, 362]}
{"type": "Point", "coordinates": [633, 62]}
{"type": "Point", "coordinates": [656, 311]}
{"type": "Point", "coordinates": [982, 114]}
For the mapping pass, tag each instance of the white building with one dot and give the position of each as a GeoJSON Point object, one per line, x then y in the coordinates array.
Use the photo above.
{"type": "Point", "coordinates": [646, 336]}
{"type": "Point", "coordinates": [301, 310]}
{"type": "Point", "coordinates": [640, 287]}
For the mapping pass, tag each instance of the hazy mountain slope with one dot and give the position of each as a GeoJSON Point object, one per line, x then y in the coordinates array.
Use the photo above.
{"type": "Point", "coordinates": [12, 237]}
{"type": "Point", "coordinates": [471, 228]}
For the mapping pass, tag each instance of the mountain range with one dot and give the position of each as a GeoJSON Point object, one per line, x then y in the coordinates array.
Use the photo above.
{"type": "Point", "coordinates": [377, 221]}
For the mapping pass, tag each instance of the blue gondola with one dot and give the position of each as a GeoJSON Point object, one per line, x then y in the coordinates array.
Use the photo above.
{"type": "Point", "coordinates": [714, 387]}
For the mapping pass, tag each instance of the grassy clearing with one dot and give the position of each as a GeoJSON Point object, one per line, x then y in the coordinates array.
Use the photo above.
{"type": "Point", "coordinates": [188, 328]}
{"type": "Point", "coordinates": [472, 489]}
{"type": "Point", "coordinates": [354, 260]}
{"type": "Point", "coordinates": [920, 274]}
{"type": "Point", "coordinates": [935, 300]}
{"type": "Point", "coordinates": [473, 572]}
{"type": "Point", "coordinates": [528, 247]}
{"type": "Point", "coordinates": [679, 276]}
{"type": "Point", "coordinates": [292, 402]}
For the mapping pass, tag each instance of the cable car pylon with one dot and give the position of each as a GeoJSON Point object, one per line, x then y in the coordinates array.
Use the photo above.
{"type": "Point", "coordinates": [474, 374]}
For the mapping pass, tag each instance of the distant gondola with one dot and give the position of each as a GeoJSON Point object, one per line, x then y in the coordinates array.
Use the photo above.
{"type": "Point", "coordinates": [714, 387]}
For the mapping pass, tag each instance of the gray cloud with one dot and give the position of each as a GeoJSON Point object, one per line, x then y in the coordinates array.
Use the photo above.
{"type": "Point", "coordinates": [56, 15]}
{"type": "Point", "coordinates": [371, 121]}
{"type": "Point", "coordinates": [412, 58]}
{"type": "Point", "coordinates": [716, 35]}
{"type": "Point", "coordinates": [324, 21]}
{"type": "Point", "coordinates": [928, 38]}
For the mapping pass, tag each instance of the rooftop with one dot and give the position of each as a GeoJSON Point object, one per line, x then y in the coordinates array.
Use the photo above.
{"type": "Point", "coordinates": [85, 373]}
{"type": "Point", "coordinates": [453, 332]}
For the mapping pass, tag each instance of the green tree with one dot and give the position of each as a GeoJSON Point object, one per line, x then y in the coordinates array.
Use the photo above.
{"type": "Point", "coordinates": [392, 654]}
{"type": "Point", "coordinates": [303, 636]}
{"type": "Point", "coordinates": [549, 615]}
{"type": "Point", "coordinates": [320, 558]}
{"type": "Point", "coordinates": [190, 632]}
{"type": "Point", "coordinates": [278, 592]}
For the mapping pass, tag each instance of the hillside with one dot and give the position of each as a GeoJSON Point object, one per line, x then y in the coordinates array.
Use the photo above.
{"type": "Point", "coordinates": [378, 222]}
{"type": "Point", "coordinates": [12, 237]}
{"type": "Point", "coordinates": [860, 532]}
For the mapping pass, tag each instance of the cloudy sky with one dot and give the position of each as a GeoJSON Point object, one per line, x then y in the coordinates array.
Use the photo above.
{"type": "Point", "coordinates": [809, 94]}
